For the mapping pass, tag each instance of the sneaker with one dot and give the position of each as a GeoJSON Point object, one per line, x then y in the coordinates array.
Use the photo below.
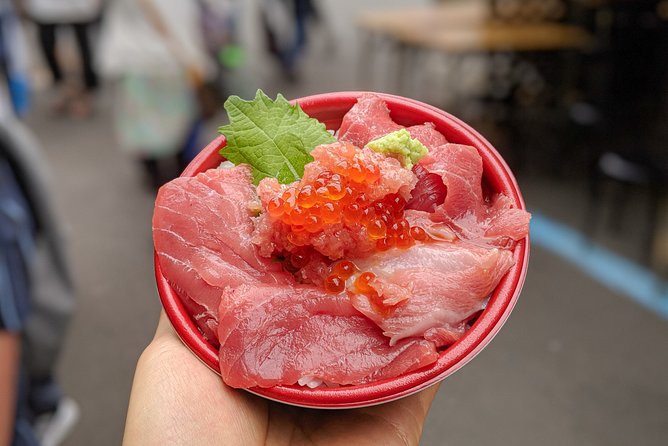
{"type": "Point", "coordinates": [53, 428]}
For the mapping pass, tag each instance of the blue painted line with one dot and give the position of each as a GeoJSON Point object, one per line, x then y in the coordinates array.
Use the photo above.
{"type": "Point", "coordinates": [611, 270]}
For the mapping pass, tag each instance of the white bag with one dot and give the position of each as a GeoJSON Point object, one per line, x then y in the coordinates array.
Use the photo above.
{"type": "Point", "coordinates": [153, 114]}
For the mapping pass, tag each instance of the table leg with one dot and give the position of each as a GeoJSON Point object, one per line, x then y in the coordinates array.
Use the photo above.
{"type": "Point", "coordinates": [365, 59]}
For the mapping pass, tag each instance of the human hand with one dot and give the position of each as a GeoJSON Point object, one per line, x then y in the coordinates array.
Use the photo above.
{"type": "Point", "coordinates": [176, 399]}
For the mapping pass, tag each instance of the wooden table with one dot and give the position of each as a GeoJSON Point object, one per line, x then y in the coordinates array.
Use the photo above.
{"type": "Point", "coordinates": [458, 28]}
{"type": "Point", "coordinates": [494, 37]}
{"type": "Point", "coordinates": [466, 26]}
{"type": "Point", "coordinates": [403, 21]}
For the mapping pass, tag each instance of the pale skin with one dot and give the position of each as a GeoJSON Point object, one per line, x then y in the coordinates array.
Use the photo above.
{"type": "Point", "coordinates": [10, 354]}
{"type": "Point", "coordinates": [177, 400]}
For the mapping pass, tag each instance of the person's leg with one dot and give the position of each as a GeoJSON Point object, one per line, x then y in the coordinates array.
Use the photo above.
{"type": "Point", "coordinates": [54, 415]}
{"type": "Point", "coordinates": [24, 433]}
{"type": "Point", "coordinates": [47, 40]}
{"type": "Point", "coordinates": [152, 171]}
{"type": "Point", "coordinates": [83, 41]}
{"type": "Point", "coordinates": [44, 395]}
{"type": "Point", "coordinates": [291, 54]}
{"type": "Point", "coordinates": [81, 104]}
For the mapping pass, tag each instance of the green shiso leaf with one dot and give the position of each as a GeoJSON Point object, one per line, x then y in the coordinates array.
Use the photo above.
{"type": "Point", "coordinates": [272, 136]}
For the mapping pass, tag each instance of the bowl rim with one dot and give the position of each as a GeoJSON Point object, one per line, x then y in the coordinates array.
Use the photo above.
{"type": "Point", "coordinates": [451, 359]}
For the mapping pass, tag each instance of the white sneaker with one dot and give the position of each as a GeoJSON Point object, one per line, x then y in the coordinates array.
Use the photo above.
{"type": "Point", "coordinates": [52, 429]}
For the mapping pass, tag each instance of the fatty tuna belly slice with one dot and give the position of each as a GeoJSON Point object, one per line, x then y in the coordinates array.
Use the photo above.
{"type": "Point", "coordinates": [201, 230]}
{"type": "Point", "coordinates": [494, 222]}
{"type": "Point", "coordinates": [435, 287]}
{"type": "Point", "coordinates": [367, 120]}
{"type": "Point", "coordinates": [272, 335]}
{"type": "Point", "coordinates": [370, 119]}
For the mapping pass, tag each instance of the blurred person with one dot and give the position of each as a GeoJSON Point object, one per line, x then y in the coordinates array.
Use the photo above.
{"type": "Point", "coordinates": [284, 23]}
{"type": "Point", "coordinates": [175, 396]}
{"type": "Point", "coordinates": [80, 15]}
{"type": "Point", "coordinates": [220, 25]}
{"type": "Point", "coordinates": [36, 295]}
{"type": "Point", "coordinates": [14, 58]}
{"type": "Point", "coordinates": [13, 305]}
{"type": "Point", "coordinates": [154, 52]}
{"type": "Point", "coordinates": [220, 28]}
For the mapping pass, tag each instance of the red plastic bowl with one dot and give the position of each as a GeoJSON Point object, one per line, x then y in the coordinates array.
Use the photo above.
{"type": "Point", "coordinates": [329, 108]}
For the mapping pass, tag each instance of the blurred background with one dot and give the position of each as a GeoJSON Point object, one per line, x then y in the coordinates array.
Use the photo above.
{"type": "Point", "coordinates": [119, 95]}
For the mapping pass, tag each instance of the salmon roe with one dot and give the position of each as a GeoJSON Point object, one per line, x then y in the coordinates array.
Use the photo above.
{"type": "Point", "coordinates": [275, 207]}
{"type": "Point", "coordinates": [345, 269]}
{"type": "Point", "coordinates": [334, 284]}
{"type": "Point", "coordinates": [362, 283]}
{"type": "Point", "coordinates": [307, 197]}
{"type": "Point", "coordinates": [337, 198]}
{"type": "Point", "coordinates": [418, 234]}
{"type": "Point", "coordinates": [300, 258]}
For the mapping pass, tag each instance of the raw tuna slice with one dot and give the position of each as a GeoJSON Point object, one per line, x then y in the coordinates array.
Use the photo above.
{"type": "Point", "coordinates": [202, 233]}
{"type": "Point", "coordinates": [434, 229]}
{"type": "Point", "coordinates": [370, 118]}
{"type": "Point", "coordinates": [460, 167]}
{"type": "Point", "coordinates": [438, 286]}
{"type": "Point", "coordinates": [464, 207]}
{"type": "Point", "coordinates": [273, 335]}
{"type": "Point", "coordinates": [427, 134]}
{"type": "Point", "coordinates": [506, 220]}
{"type": "Point", "coordinates": [367, 120]}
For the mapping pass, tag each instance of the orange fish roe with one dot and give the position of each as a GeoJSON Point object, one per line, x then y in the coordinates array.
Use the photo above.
{"type": "Point", "coordinates": [396, 204]}
{"type": "Point", "coordinates": [334, 284]}
{"type": "Point", "coordinates": [352, 213]}
{"type": "Point", "coordinates": [418, 234]}
{"type": "Point", "coordinates": [345, 269]}
{"type": "Point", "coordinates": [362, 283]}
{"type": "Point", "coordinates": [404, 240]}
{"type": "Point", "coordinates": [329, 215]}
{"type": "Point", "coordinates": [376, 228]}
{"type": "Point", "coordinates": [297, 216]}
{"type": "Point", "coordinates": [307, 197]}
{"type": "Point", "coordinates": [357, 173]}
{"type": "Point", "coordinates": [371, 173]}
{"type": "Point", "coordinates": [300, 259]}
{"type": "Point", "coordinates": [384, 244]}
{"type": "Point", "coordinates": [367, 216]}
{"type": "Point", "coordinates": [289, 199]}
{"type": "Point", "coordinates": [313, 223]}
{"type": "Point", "coordinates": [275, 207]}
{"type": "Point", "coordinates": [337, 196]}
{"type": "Point", "coordinates": [362, 286]}
{"type": "Point", "coordinates": [297, 238]}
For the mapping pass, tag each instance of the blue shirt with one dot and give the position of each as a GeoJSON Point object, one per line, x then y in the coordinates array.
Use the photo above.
{"type": "Point", "coordinates": [16, 250]}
